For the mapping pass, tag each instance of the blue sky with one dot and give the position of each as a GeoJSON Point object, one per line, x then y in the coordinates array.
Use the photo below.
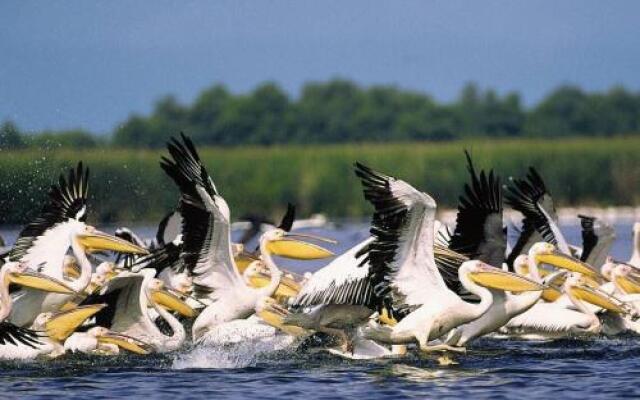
{"type": "Point", "coordinates": [90, 64]}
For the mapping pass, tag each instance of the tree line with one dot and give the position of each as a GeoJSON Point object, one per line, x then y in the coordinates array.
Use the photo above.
{"type": "Point", "coordinates": [340, 111]}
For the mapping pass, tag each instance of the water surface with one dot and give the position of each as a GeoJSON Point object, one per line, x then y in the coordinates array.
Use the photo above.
{"type": "Point", "coordinates": [494, 369]}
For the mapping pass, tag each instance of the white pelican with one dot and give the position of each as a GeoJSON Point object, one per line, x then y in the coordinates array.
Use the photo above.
{"type": "Point", "coordinates": [622, 285]}
{"type": "Point", "coordinates": [52, 330]}
{"type": "Point", "coordinates": [128, 297]}
{"type": "Point", "coordinates": [232, 298]}
{"type": "Point", "coordinates": [635, 256]}
{"type": "Point", "coordinates": [505, 306]}
{"type": "Point", "coordinates": [12, 336]}
{"type": "Point", "coordinates": [265, 326]}
{"type": "Point", "coordinates": [100, 340]}
{"type": "Point", "coordinates": [341, 294]}
{"type": "Point", "coordinates": [404, 273]}
{"type": "Point", "coordinates": [547, 253]}
{"type": "Point", "coordinates": [557, 319]}
{"type": "Point", "coordinates": [43, 244]}
{"type": "Point", "coordinates": [23, 343]}
{"type": "Point", "coordinates": [207, 249]}
{"type": "Point", "coordinates": [479, 233]}
{"type": "Point", "coordinates": [625, 279]}
{"type": "Point", "coordinates": [336, 298]}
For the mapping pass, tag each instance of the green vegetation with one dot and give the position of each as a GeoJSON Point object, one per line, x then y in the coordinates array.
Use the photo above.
{"type": "Point", "coordinates": [340, 111]}
{"type": "Point", "coordinates": [128, 185]}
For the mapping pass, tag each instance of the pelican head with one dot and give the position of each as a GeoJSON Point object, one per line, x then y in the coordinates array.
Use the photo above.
{"type": "Point", "coordinates": [41, 320]}
{"type": "Point", "coordinates": [607, 268]}
{"type": "Point", "coordinates": [106, 268]}
{"type": "Point", "coordinates": [272, 313]}
{"type": "Point", "coordinates": [581, 289]}
{"type": "Point", "coordinates": [237, 249]}
{"type": "Point", "coordinates": [490, 277]}
{"type": "Point", "coordinates": [183, 284]}
{"type": "Point", "coordinates": [106, 336]}
{"type": "Point", "coordinates": [291, 245]}
{"type": "Point", "coordinates": [521, 265]}
{"type": "Point", "coordinates": [253, 269]}
{"type": "Point", "coordinates": [98, 331]}
{"type": "Point", "coordinates": [20, 274]}
{"type": "Point", "coordinates": [269, 304]}
{"type": "Point", "coordinates": [97, 281]}
{"type": "Point", "coordinates": [93, 240]}
{"type": "Point", "coordinates": [622, 277]}
{"type": "Point", "coordinates": [164, 298]}
{"type": "Point", "coordinates": [242, 257]}
{"type": "Point", "coordinates": [61, 325]}
{"type": "Point", "coordinates": [547, 253]}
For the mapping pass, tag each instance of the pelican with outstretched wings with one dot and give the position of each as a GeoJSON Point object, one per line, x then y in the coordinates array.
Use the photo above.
{"type": "Point", "coordinates": [207, 249]}
{"type": "Point", "coordinates": [43, 244]}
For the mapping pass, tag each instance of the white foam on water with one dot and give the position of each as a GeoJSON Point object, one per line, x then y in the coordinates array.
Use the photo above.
{"type": "Point", "coordinates": [236, 344]}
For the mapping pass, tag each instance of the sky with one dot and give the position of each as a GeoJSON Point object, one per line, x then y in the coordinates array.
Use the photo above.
{"type": "Point", "coordinates": [91, 64]}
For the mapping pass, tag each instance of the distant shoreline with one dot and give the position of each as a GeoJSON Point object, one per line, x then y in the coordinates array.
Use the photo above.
{"type": "Point", "coordinates": [566, 215]}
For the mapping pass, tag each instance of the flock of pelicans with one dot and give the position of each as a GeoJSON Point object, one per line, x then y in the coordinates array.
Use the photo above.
{"type": "Point", "coordinates": [413, 285]}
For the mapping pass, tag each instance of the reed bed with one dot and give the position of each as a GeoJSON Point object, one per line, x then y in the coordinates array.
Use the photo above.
{"type": "Point", "coordinates": [128, 185]}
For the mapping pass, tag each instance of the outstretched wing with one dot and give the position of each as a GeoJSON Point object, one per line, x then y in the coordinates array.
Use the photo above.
{"type": "Point", "coordinates": [479, 232]}
{"type": "Point", "coordinates": [206, 251]}
{"type": "Point", "coordinates": [531, 197]}
{"type": "Point", "coordinates": [167, 256]}
{"type": "Point", "coordinates": [67, 202]}
{"type": "Point", "coordinates": [597, 239]}
{"type": "Point", "coordinates": [123, 302]}
{"type": "Point", "coordinates": [402, 269]}
{"type": "Point", "coordinates": [345, 280]}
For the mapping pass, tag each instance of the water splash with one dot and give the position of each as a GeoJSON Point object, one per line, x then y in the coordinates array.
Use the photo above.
{"type": "Point", "coordinates": [237, 344]}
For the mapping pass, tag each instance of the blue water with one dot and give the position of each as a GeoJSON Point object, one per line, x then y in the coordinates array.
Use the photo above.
{"type": "Point", "coordinates": [567, 369]}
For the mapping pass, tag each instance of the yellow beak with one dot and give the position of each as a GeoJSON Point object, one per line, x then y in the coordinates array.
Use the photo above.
{"type": "Point", "coordinates": [172, 302]}
{"type": "Point", "coordinates": [551, 294]}
{"type": "Point", "coordinates": [387, 319]}
{"type": "Point", "coordinates": [243, 260]}
{"type": "Point", "coordinates": [495, 278]}
{"type": "Point", "coordinates": [628, 284]}
{"type": "Point", "coordinates": [273, 315]}
{"type": "Point", "coordinates": [554, 282]}
{"type": "Point", "coordinates": [597, 298]}
{"type": "Point", "coordinates": [72, 271]}
{"type": "Point", "coordinates": [563, 261]}
{"type": "Point", "coordinates": [126, 342]}
{"type": "Point", "coordinates": [287, 287]}
{"type": "Point", "coordinates": [35, 280]}
{"type": "Point", "coordinates": [290, 247]}
{"type": "Point", "coordinates": [63, 324]}
{"type": "Point", "coordinates": [96, 241]}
